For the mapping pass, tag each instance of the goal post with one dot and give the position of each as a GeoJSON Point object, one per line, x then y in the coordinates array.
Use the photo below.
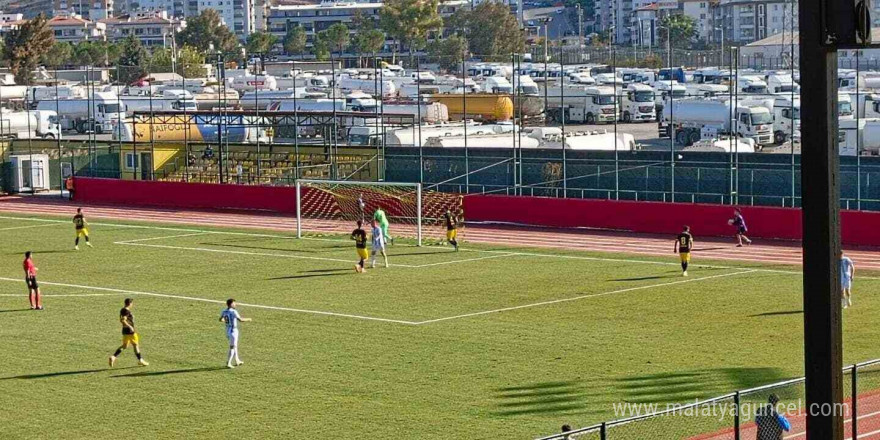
{"type": "Point", "coordinates": [334, 206]}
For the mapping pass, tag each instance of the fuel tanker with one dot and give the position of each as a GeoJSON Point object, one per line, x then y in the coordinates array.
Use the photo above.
{"type": "Point", "coordinates": [196, 128]}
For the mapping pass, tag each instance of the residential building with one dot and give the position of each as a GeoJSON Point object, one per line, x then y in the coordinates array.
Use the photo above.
{"type": "Point", "coordinates": [73, 29]}
{"type": "Point", "coordinates": [9, 22]}
{"type": "Point", "coordinates": [701, 12]}
{"type": "Point", "coordinates": [175, 8]}
{"type": "Point", "coordinates": [745, 21]}
{"type": "Point", "coordinates": [238, 15]}
{"type": "Point", "coordinates": [315, 18]}
{"type": "Point", "coordinates": [152, 28]}
{"type": "Point", "coordinates": [776, 52]}
{"type": "Point", "coordinates": [87, 9]}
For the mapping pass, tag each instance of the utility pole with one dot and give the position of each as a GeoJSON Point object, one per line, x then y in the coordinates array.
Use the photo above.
{"type": "Point", "coordinates": [580, 12]}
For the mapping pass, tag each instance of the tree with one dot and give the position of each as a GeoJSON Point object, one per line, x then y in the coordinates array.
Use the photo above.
{"type": "Point", "coordinates": [449, 52]}
{"type": "Point", "coordinates": [321, 46]}
{"type": "Point", "coordinates": [368, 41]}
{"type": "Point", "coordinates": [260, 42]}
{"type": "Point", "coordinates": [25, 46]}
{"type": "Point", "coordinates": [492, 32]}
{"type": "Point", "coordinates": [205, 30]}
{"type": "Point", "coordinates": [408, 22]}
{"type": "Point", "coordinates": [295, 40]}
{"type": "Point", "coordinates": [60, 54]}
{"type": "Point", "coordinates": [338, 37]}
{"type": "Point", "coordinates": [132, 61]}
{"type": "Point", "coordinates": [190, 62]}
{"type": "Point", "coordinates": [680, 27]}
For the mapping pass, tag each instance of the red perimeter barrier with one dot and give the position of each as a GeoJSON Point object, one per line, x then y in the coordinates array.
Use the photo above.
{"type": "Point", "coordinates": [185, 195]}
{"type": "Point", "coordinates": [858, 227]}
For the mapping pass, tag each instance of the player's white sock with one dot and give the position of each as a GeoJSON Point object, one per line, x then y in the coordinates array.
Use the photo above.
{"type": "Point", "coordinates": [386, 260]}
{"type": "Point", "coordinates": [849, 301]}
{"type": "Point", "coordinates": [232, 355]}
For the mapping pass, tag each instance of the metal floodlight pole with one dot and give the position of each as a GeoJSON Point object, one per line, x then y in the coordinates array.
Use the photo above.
{"type": "Point", "coordinates": [298, 209]}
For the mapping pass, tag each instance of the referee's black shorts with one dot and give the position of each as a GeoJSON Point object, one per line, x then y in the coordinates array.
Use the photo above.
{"type": "Point", "coordinates": [32, 283]}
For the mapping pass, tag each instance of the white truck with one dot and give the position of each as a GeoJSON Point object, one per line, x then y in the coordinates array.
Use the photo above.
{"type": "Point", "coordinates": [249, 83]}
{"type": "Point", "coordinates": [498, 84]}
{"type": "Point", "coordinates": [410, 136]}
{"type": "Point", "coordinates": [786, 115]}
{"type": "Point", "coordinates": [371, 85]}
{"type": "Point", "coordinates": [163, 103]}
{"type": "Point", "coordinates": [781, 82]}
{"type": "Point", "coordinates": [637, 104]}
{"type": "Point", "coordinates": [751, 84]}
{"type": "Point", "coordinates": [689, 119]}
{"type": "Point", "coordinates": [664, 91]}
{"type": "Point", "coordinates": [594, 105]}
{"type": "Point", "coordinates": [844, 105]}
{"type": "Point", "coordinates": [101, 112]}
{"type": "Point", "coordinates": [859, 136]}
{"type": "Point", "coordinates": [42, 124]}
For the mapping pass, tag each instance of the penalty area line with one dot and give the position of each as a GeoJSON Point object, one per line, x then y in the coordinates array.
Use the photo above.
{"type": "Point", "coordinates": [213, 301]}
{"type": "Point", "coordinates": [577, 298]}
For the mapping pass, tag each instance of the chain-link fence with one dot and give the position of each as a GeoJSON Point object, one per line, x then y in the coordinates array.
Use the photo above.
{"type": "Point", "coordinates": [747, 414]}
{"type": "Point", "coordinates": [555, 125]}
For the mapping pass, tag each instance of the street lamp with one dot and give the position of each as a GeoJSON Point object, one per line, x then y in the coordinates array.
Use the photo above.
{"type": "Point", "coordinates": [671, 117]}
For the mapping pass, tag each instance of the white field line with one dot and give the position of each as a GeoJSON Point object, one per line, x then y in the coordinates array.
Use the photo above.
{"type": "Point", "coordinates": [577, 298]}
{"type": "Point", "coordinates": [261, 254]}
{"type": "Point", "coordinates": [158, 238]}
{"type": "Point", "coordinates": [466, 260]}
{"type": "Point", "coordinates": [213, 301]}
{"type": "Point", "coordinates": [22, 295]}
{"type": "Point", "coordinates": [530, 254]}
{"type": "Point", "coordinates": [27, 227]}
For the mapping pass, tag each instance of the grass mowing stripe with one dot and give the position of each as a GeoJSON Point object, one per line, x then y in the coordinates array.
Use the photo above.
{"type": "Point", "coordinates": [27, 227]}
{"type": "Point", "coordinates": [576, 298]}
{"type": "Point", "coordinates": [214, 301]}
{"type": "Point", "coordinates": [138, 240]}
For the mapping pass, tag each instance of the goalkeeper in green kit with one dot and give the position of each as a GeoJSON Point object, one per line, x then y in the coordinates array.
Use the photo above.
{"type": "Point", "coordinates": [382, 219]}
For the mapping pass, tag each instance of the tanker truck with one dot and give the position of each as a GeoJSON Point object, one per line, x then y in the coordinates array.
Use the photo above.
{"type": "Point", "coordinates": [477, 106]}
{"type": "Point", "coordinates": [101, 112]}
{"type": "Point", "coordinates": [29, 124]}
{"type": "Point", "coordinates": [686, 119]}
{"type": "Point", "coordinates": [196, 128]}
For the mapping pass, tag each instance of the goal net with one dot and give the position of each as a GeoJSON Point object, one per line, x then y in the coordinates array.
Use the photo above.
{"type": "Point", "coordinates": [334, 207]}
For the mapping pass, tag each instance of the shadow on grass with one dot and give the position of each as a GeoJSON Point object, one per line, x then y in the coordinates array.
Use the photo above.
{"type": "Point", "coordinates": [655, 277]}
{"type": "Point", "coordinates": [780, 313]}
{"type": "Point", "coordinates": [15, 310]}
{"type": "Point", "coordinates": [691, 385]}
{"type": "Point", "coordinates": [52, 251]}
{"type": "Point", "coordinates": [313, 275]}
{"type": "Point", "coordinates": [557, 398]}
{"type": "Point", "coordinates": [269, 248]}
{"type": "Point", "coordinates": [59, 373]}
{"type": "Point", "coordinates": [167, 372]}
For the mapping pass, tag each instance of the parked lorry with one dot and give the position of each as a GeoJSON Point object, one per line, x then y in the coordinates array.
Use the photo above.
{"type": "Point", "coordinates": [786, 115]}
{"type": "Point", "coordinates": [196, 128]}
{"type": "Point", "coordinates": [249, 83]}
{"type": "Point", "coordinates": [418, 136]}
{"type": "Point", "coordinates": [478, 106]}
{"type": "Point", "coordinates": [31, 124]}
{"type": "Point", "coordinates": [597, 105]}
{"type": "Point", "coordinates": [637, 104]}
{"type": "Point", "coordinates": [859, 136]}
{"type": "Point", "coordinates": [100, 113]}
{"type": "Point", "coordinates": [689, 119]}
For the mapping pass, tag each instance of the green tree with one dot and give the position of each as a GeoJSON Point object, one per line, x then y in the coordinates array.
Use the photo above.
{"type": "Point", "coordinates": [295, 40]}
{"type": "Point", "coordinates": [408, 22]}
{"type": "Point", "coordinates": [321, 46]}
{"type": "Point", "coordinates": [25, 46]}
{"type": "Point", "coordinates": [60, 54]}
{"type": "Point", "coordinates": [492, 32]}
{"type": "Point", "coordinates": [338, 37]}
{"type": "Point", "coordinates": [681, 28]}
{"type": "Point", "coordinates": [368, 42]}
{"type": "Point", "coordinates": [205, 30]}
{"type": "Point", "coordinates": [133, 61]}
{"type": "Point", "coordinates": [190, 62]}
{"type": "Point", "coordinates": [260, 42]}
{"type": "Point", "coordinates": [449, 52]}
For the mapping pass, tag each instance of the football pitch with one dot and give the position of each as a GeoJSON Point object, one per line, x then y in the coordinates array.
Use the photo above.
{"type": "Point", "coordinates": [485, 343]}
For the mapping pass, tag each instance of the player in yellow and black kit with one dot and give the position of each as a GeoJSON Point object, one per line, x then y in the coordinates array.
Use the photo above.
{"type": "Point", "coordinates": [129, 334]}
{"type": "Point", "coordinates": [451, 229]}
{"type": "Point", "coordinates": [360, 243]}
{"type": "Point", "coordinates": [683, 245]}
{"type": "Point", "coordinates": [79, 221]}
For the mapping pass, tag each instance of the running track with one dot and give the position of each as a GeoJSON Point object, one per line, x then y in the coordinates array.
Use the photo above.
{"type": "Point", "coordinates": [765, 252]}
{"type": "Point", "coordinates": [868, 423]}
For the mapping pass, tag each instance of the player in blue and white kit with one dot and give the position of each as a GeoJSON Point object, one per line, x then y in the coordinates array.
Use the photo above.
{"type": "Point", "coordinates": [378, 244]}
{"type": "Point", "coordinates": [231, 317]}
{"type": "Point", "coordinates": [847, 271]}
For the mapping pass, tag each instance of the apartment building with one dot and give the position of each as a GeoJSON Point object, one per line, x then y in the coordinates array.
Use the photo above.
{"type": "Point", "coordinates": [73, 28]}
{"type": "Point", "coordinates": [152, 28]}
{"type": "Point", "coordinates": [87, 9]}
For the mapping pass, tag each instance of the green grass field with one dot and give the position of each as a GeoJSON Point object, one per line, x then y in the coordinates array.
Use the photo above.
{"type": "Point", "coordinates": [486, 343]}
